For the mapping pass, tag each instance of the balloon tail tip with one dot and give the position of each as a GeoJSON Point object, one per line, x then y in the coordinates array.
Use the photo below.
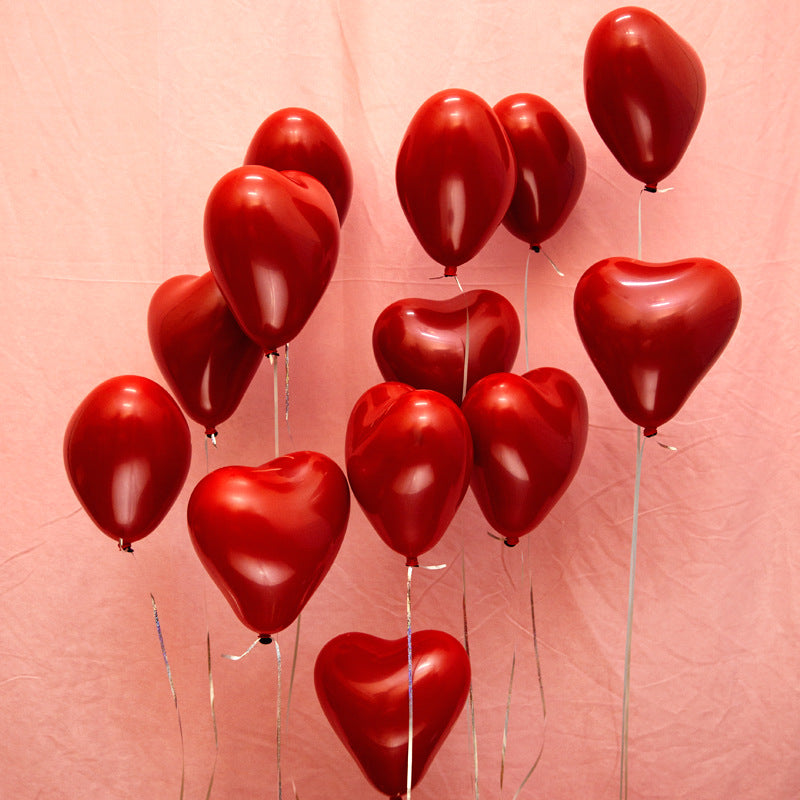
{"type": "Point", "coordinates": [649, 432]}
{"type": "Point", "coordinates": [412, 561]}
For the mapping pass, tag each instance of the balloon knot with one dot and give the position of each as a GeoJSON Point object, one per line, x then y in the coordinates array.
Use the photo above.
{"type": "Point", "coordinates": [536, 248]}
{"type": "Point", "coordinates": [648, 432]}
{"type": "Point", "coordinates": [126, 547]}
{"type": "Point", "coordinates": [450, 272]}
{"type": "Point", "coordinates": [265, 638]}
{"type": "Point", "coordinates": [211, 432]}
{"type": "Point", "coordinates": [271, 353]}
{"type": "Point", "coordinates": [412, 561]}
{"type": "Point", "coordinates": [511, 541]}
{"type": "Point", "coordinates": [650, 187]}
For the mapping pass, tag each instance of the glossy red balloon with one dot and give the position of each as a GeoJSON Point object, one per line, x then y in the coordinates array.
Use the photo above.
{"type": "Point", "coordinates": [127, 452]}
{"type": "Point", "coordinates": [206, 359]}
{"type": "Point", "coordinates": [529, 433]}
{"type": "Point", "coordinates": [272, 240]}
{"type": "Point", "coordinates": [551, 166]}
{"type": "Point", "coordinates": [654, 330]}
{"type": "Point", "coordinates": [299, 139]}
{"type": "Point", "coordinates": [422, 342]}
{"type": "Point", "coordinates": [455, 176]}
{"type": "Point", "coordinates": [362, 686]}
{"type": "Point", "coordinates": [645, 89]}
{"type": "Point", "coordinates": [409, 455]}
{"type": "Point", "coordinates": [268, 535]}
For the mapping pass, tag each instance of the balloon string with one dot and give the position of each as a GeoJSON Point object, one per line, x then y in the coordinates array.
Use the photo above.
{"type": "Point", "coordinates": [508, 714]}
{"type": "Point", "coordinates": [552, 263]}
{"type": "Point", "coordinates": [623, 781]}
{"type": "Point", "coordinates": [286, 395]}
{"type": "Point", "coordinates": [525, 307]}
{"type": "Point", "coordinates": [466, 345]}
{"type": "Point", "coordinates": [471, 694]}
{"type": "Point", "coordinates": [291, 688]}
{"type": "Point", "coordinates": [278, 720]}
{"type": "Point", "coordinates": [246, 652]}
{"type": "Point", "coordinates": [410, 686]}
{"type": "Point", "coordinates": [213, 712]}
{"type": "Point", "coordinates": [273, 357]}
{"type": "Point", "coordinates": [172, 689]}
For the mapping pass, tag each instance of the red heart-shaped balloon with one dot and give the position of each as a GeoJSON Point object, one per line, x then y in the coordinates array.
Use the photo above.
{"type": "Point", "coordinates": [268, 535]}
{"type": "Point", "coordinates": [455, 176]}
{"type": "Point", "coordinates": [408, 454]}
{"type": "Point", "coordinates": [298, 139]}
{"type": "Point", "coordinates": [654, 330]}
{"type": "Point", "coordinates": [529, 433]}
{"type": "Point", "coordinates": [645, 89]}
{"type": "Point", "coordinates": [551, 166]}
{"type": "Point", "coordinates": [205, 357]}
{"type": "Point", "coordinates": [127, 451]}
{"type": "Point", "coordinates": [272, 239]}
{"type": "Point", "coordinates": [362, 686]}
{"type": "Point", "coordinates": [422, 342]}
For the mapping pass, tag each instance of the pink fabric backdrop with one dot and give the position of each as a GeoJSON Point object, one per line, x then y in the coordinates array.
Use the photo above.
{"type": "Point", "coordinates": [118, 119]}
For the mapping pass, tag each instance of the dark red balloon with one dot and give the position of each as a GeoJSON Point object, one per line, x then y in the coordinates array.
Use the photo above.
{"type": "Point", "coordinates": [299, 139]}
{"type": "Point", "coordinates": [362, 686]}
{"type": "Point", "coordinates": [422, 342]}
{"type": "Point", "coordinates": [654, 330]}
{"type": "Point", "coordinates": [272, 240]}
{"type": "Point", "coordinates": [268, 535]}
{"type": "Point", "coordinates": [455, 176]}
{"type": "Point", "coordinates": [127, 452]}
{"type": "Point", "coordinates": [529, 433]}
{"type": "Point", "coordinates": [551, 166]}
{"type": "Point", "coordinates": [645, 89]}
{"type": "Point", "coordinates": [409, 455]}
{"type": "Point", "coordinates": [206, 359]}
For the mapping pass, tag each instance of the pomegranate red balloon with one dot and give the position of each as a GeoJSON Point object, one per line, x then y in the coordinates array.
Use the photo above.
{"type": "Point", "coordinates": [455, 176]}
{"type": "Point", "coordinates": [529, 433]}
{"type": "Point", "coordinates": [298, 139]}
{"type": "Point", "coordinates": [423, 342]}
{"type": "Point", "coordinates": [127, 453]}
{"type": "Point", "coordinates": [272, 240]}
{"type": "Point", "coordinates": [409, 455]}
{"type": "Point", "coordinates": [551, 166]}
{"type": "Point", "coordinates": [206, 359]}
{"type": "Point", "coordinates": [645, 89]}
{"type": "Point", "coordinates": [362, 686]}
{"type": "Point", "coordinates": [268, 535]}
{"type": "Point", "coordinates": [654, 330]}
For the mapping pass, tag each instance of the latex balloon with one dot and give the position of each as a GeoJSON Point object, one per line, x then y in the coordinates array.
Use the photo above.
{"type": "Point", "coordinates": [645, 89]}
{"type": "Point", "coordinates": [362, 686]}
{"type": "Point", "coordinates": [206, 359]}
{"type": "Point", "coordinates": [423, 342]}
{"type": "Point", "coordinates": [654, 330]}
{"type": "Point", "coordinates": [455, 176]}
{"type": "Point", "coordinates": [272, 240]}
{"type": "Point", "coordinates": [551, 166]}
{"type": "Point", "coordinates": [529, 434]}
{"type": "Point", "coordinates": [299, 139]}
{"type": "Point", "coordinates": [127, 453]}
{"type": "Point", "coordinates": [268, 535]}
{"type": "Point", "coordinates": [408, 455]}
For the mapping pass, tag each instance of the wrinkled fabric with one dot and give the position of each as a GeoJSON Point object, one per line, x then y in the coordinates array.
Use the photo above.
{"type": "Point", "coordinates": [118, 119]}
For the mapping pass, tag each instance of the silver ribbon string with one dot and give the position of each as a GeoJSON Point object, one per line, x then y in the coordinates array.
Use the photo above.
{"type": "Point", "coordinates": [471, 694]}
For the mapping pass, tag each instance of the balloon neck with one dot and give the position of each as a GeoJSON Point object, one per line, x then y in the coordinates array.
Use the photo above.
{"type": "Point", "coordinates": [650, 187]}
{"type": "Point", "coordinates": [265, 638]}
{"type": "Point", "coordinates": [450, 272]}
{"type": "Point", "coordinates": [648, 432]}
{"type": "Point", "coordinates": [126, 547]}
{"type": "Point", "coordinates": [536, 248]}
{"type": "Point", "coordinates": [511, 541]}
{"type": "Point", "coordinates": [412, 561]}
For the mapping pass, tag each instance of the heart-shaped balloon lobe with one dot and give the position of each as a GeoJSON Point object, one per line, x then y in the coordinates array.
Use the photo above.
{"type": "Point", "coordinates": [362, 686]}
{"type": "Point", "coordinates": [654, 330]}
{"type": "Point", "coordinates": [272, 240]}
{"type": "Point", "coordinates": [423, 342]}
{"type": "Point", "coordinates": [529, 434]}
{"type": "Point", "coordinates": [268, 535]}
{"type": "Point", "coordinates": [205, 357]}
{"type": "Point", "coordinates": [409, 455]}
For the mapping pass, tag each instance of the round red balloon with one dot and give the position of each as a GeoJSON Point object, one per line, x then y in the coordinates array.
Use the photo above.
{"type": "Point", "coordinates": [551, 166]}
{"type": "Point", "coordinates": [127, 453]}
{"type": "Point", "coordinates": [268, 535]}
{"type": "Point", "coordinates": [362, 686]}
{"type": "Point", "coordinates": [206, 359]}
{"type": "Point", "coordinates": [299, 139]}
{"type": "Point", "coordinates": [455, 176]}
{"type": "Point", "coordinates": [272, 240]}
{"type": "Point", "coordinates": [654, 330]}
{"type": "Point", "coordinates": [645, 89]}
{"type": "Point", "coordinates": [409, 455]}
{"type": "Point", "coordinates": [529, 434]}
{"type": "Point", "coordinates": [423, 342]}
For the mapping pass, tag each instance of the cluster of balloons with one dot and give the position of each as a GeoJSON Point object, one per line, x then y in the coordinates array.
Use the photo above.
{"type": "Point", "coordinates": [450, 414]}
